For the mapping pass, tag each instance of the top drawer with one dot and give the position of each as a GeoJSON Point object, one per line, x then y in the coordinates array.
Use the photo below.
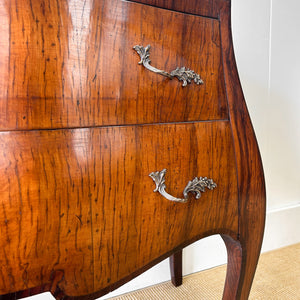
{"type": "Point", "coordinates": [209, 8]}
{"type": "Point", "coordinates": [72, 64]}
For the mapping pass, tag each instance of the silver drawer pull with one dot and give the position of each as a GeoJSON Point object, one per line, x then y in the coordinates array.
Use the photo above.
{"type": "Point", "coordinates": [183, 74]}
{"type": "Point", "coordinates": [196, 186]}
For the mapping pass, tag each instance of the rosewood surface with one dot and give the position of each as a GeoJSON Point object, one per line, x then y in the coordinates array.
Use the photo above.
{"type": "Point", "coordinates": [81, 201]}
{"type": "Point", "coordinates": [252, 193]}
{"type": "Point", "coordinates": [82, 125]}
{"type": "Point", "coordinates": [209, 8]}
{"type": "Point", "coordinates": [72, 64]}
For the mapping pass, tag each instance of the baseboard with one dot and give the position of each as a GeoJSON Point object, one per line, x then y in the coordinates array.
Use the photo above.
{"type": "Point", "coordinates": [282, 228]}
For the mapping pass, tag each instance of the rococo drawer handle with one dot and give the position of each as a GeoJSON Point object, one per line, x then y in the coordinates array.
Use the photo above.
{"type": "Point", "coordinates": [184, 74]}
{"type": "Point", "coordinates": [197, 185]}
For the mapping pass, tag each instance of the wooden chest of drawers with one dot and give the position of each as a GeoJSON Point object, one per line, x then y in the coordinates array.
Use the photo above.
{"type": "Point", "coordinates": [83, 125]}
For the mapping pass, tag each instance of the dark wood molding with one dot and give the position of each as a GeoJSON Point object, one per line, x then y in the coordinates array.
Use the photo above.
{"type": "Point", "coordinates": [176, 268]}
{"type": "Point", "coordinates": [252, 194]}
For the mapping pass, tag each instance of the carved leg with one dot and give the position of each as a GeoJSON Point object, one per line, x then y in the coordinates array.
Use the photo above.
{"type": "Point", "coordinates": [176, 268]}
{"type": "Point", "coordinates": [242, 261]}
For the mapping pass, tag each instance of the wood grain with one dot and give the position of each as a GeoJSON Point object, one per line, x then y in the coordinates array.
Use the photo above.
{"type": "Point", "coordinates": [45, 213]}
{"type": "Point", "coordinates": [82, 202]}
{"type": "Point", "coordinates": [176, 268]}
{"type": "Point", "coordinates": [252, 193]}
{"type": "Point", "coordinates": [78, 215]}
{"type": "Point", "coordinates": [209, 8]}
{"type": "Point", "coordinates": [234, 264]}
{"type": "Point", "coordinates": [72, 64]}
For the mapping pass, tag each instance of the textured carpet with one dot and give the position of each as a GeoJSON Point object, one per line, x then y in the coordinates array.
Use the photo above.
{"type": "Point", "coordinates": [277, 278]}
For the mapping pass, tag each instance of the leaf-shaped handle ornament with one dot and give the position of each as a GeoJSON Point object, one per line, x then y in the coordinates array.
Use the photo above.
{"type": "Point", "coordinates": [182, 74]}
{"type": "Point", "coordinates": [196, 186]}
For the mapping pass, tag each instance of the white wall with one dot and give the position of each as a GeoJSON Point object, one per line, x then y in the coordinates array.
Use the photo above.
{"type": "Point", "coordinates": [283, 149]}
{"type": "Point", "coordinates": [267, 46]}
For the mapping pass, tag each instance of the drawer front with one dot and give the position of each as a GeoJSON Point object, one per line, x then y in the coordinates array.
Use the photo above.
{"type": "Point", "coordinates": [82, 201]}
{"type": "Point", "coordinates": [75, 66]}
{"type": "Point", "coordinates": [208, 8]}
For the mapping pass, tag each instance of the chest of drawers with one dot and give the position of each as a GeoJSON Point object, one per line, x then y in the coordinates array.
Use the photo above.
{"type": "Point", "coordinates": [83, 125]}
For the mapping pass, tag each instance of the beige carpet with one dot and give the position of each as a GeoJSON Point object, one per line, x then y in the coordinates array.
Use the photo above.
{"type": "Point", "coordinates": [277, 278]}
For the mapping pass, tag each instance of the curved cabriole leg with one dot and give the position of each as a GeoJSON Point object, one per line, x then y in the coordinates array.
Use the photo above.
{"type": "Point", "coordinates": [252, 194]}
{"type": "Point", "coordinates": [234, 264]}
{"type": "Point", "coordinates": [176, 268]}
{"type": "Point", "coordinates": [240, 268]}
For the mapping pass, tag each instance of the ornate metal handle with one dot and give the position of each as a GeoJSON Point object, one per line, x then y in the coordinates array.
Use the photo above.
{"type": "Point", "coordinates": [196, 186]}
{"type": "Point", "coordinates": [183, 74]}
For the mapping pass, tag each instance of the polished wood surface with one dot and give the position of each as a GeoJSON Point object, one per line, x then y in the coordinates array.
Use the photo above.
{"type": "Point", "coordinates": [234, 266]}
{"type": "Point", "coordinates": [82, 201]}
{"type": "Point", "coordinates": [209, 8]}
{"type": "Point", "coordinates": [67, 64]}
{"type": "Point", "coordinates": [252, 193]}
{"type": "Point", "coordinates": [176, 268]}
{"type": "Point", "coordinates": [82, 125]}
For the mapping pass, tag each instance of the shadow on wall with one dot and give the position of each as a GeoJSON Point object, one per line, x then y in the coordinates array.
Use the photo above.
{"type": "Point", "coordinates": [276, 121]}
{"type": "Point", "coordinates": [282, 152]}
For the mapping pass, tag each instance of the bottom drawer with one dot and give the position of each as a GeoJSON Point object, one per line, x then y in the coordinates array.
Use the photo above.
{"type": "Point", "coordinates": [81, 201]}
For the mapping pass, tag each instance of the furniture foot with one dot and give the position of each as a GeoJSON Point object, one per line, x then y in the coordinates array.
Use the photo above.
{"type": "Point", "coordinates": [176, 268]}
{"type": "Point", "coordinates": [234, 264]}
{"type": "Point", "coordinates": [240, 268]}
